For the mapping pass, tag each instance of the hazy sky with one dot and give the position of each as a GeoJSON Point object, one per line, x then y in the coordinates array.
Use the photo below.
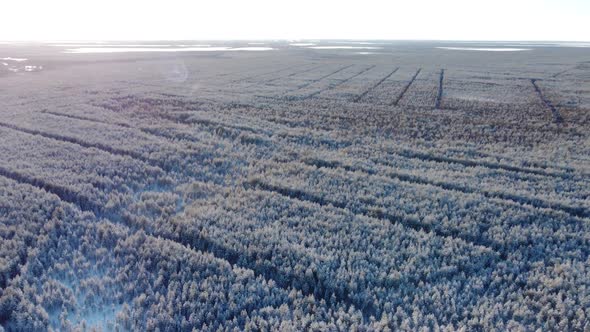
{"type": "Point", "coordinates": [301, 19]}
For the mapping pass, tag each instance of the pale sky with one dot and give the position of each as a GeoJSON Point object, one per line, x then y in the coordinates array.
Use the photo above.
{"type": "Point", "coordinates": [301, 19]}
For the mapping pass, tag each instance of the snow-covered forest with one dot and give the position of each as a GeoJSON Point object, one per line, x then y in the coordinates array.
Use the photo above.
{"type": "Point", "coordinates": [295, 189]}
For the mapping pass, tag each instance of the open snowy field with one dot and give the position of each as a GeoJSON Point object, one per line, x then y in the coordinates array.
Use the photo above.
{"type": "Point", "coordinates": [302, 185]}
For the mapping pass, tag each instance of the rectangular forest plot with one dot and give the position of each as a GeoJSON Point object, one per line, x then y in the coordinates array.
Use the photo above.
{"type": "Point", "coordinates": [564, 192]}
{"type": "Point", "coordinates": [423, 91]}
{"type": "Point", "coordinates": [338, 83]}
{"type": "Point", "coordinates": [94, 179]}
{"type": "Point", "coordinates": [325, 82]}
{"type": "Point", "coordinates": [487, 93]}
{"type": "Point", "coordinates": [251, 82]}
{"type": "Point", "coordinates": [91, 112]}
{"type": "Point", "coordinates": [267, 85]}
{"type": "Point", "coordinates": [570, 98]}
{"type": "Point", "coordinates": [462, 156]}
{"type": "Point", "coordinates": [176, 126]}
{"type": "Point", "coordinates": [236, 117]}
{"type": "Point", "coordinates": [392, 88]}
{"type": "Point", "coordinates": [116, 140]}
{"type": "Point", "coordinates": [302, 246]}
{"type": "Point", "coordinates": [294, 75]}
{"type": "Point", "coordinates": [530, 162]}
{"type": "Point", "coordinates": [529, 191]}
{"type": "Point", "coordinates": [373, 86]}
{"type": "Point", "coordinates": [356, 84]}
{"type": "Point", "coordinates": [198, 137]}
{"type": "Point", "coordinates": [323, 71]}
{"type": "Point", "coordinates": [349, 73]}
{"type": "Point", "coordinates": [148, 103]}
{"type": "Point", "coordinates": [268, 73]}
{"type": "Point", "coordinates": [286, 73]}
{"type": "Point", "coordinates": [289, 84]}
{"type": "Point", "coordinates": [468, 216]}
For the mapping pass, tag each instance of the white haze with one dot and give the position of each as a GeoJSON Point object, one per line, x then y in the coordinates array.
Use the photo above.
{"type": "Point", "coordinates": [305, 19]}
{"type": "Point", "coordinates": [161, 49]}
{"type": "Point", "coordinates": [496, 49]}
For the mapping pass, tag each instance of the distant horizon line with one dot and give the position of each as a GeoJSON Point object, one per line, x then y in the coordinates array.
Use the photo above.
{"type": "Point", "coordinates": [290, 40]}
